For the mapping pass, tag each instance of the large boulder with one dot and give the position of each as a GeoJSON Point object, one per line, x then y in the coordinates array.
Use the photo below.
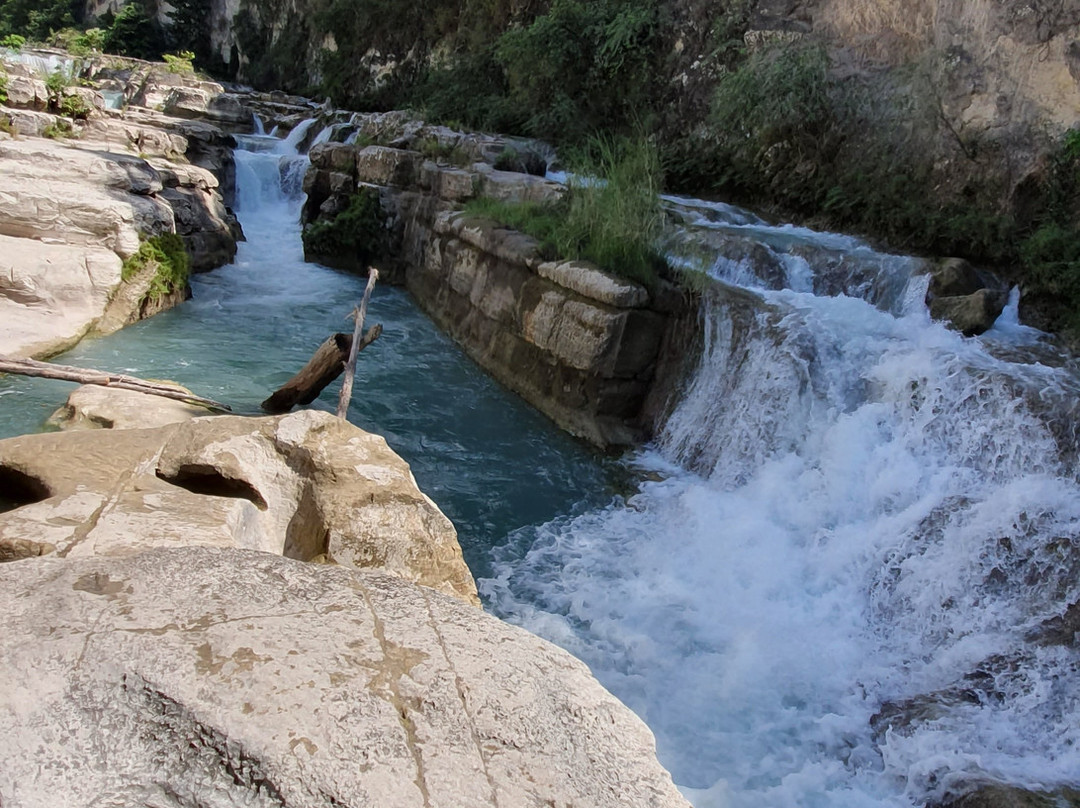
{"type": "Point", "coordinates": [963, 297]}
{"type": "Point", "coordinates": [51, 294]}
{"type": "Point", "coordinates": [306, 485]}
{"type": "Point", "coordinates": [218, 678]}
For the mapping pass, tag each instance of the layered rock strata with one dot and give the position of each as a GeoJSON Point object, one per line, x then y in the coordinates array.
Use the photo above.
{"type": "Point", "coordinates": [576, 342]}
{"type": "Point", "coordinates": [76, 204]}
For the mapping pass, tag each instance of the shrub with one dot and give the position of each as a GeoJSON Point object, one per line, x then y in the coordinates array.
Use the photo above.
{"type": "Point", "coordinates": [169, 257]}
{"type": "Point", "coordinates": [58, 130]}
{"type": "Point", "coordinates": [73, 106]}
{"type": "Point", "coordinates": [35, 19]}
{"type": "Point", "coordinates": [358, 233]}
{"type": "Point", "coordinates": [13, 42]}
{"type": "Point", "coordinates": [79, 43]}
{"type": "Point", "coordinates": [3, 86]}
{"type": "Point", "coordinates": [179, 63]}
{"type": "Point", "coordinates": [583, 67]}
{"type": "Point", "coordinates": [134, 33]}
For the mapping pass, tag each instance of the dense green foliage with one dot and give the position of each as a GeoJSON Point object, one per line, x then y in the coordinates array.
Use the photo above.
{"type": "Point", "coordinates": [37, 19]}
{"type": "Point", "coordinates": [357, 234]}
{"type": "Point", "coordinates": [169, 257]}
{"type": "Point", "coordinates": [612, 219]}
{"type": "Point", "coordinates": [133, 32]}
{"type": "Point", "coordinates": [580, 68]}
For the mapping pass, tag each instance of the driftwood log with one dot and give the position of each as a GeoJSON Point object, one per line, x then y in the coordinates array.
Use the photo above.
{"type": "Point", "coordinates": [47, 370]}
{"type": "Point", "coordinates": [326, 364]}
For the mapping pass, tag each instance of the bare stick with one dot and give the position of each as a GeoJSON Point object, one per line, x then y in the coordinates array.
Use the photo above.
{"type": "Point", "coordinates": [47, 370]}
{"type": "Point", "coordinates": [325, 365]}
{"type": "Point", "coordinates": [350, 366]}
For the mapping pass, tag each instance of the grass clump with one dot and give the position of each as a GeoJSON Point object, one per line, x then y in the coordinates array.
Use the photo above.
{"type": "Point", "coordinates": [611, 215]}
{"type": "Point", "coordinates": [169, 257]}
{"type": "Point", "coordinates": [437, 151]}
{"type": "Point", "coordinates": [58, 129]}
{"type": "Point", "coordinates": [356, 234]}
{"type": "Point", "coordinates": [3, 86]}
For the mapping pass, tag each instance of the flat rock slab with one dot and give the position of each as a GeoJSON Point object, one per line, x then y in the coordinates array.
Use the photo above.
{"type": "Point", "coordinates": [51, 294]}
{"type": "Point", "coordinates": [95, 407]}
{"type": "Point", "coordinates": [223, 678]}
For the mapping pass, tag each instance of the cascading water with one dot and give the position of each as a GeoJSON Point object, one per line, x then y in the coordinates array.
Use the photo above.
{"type": "Point", "coordinates": [838, 585]}
{"type": "Point", "coordinates": [847, 587]}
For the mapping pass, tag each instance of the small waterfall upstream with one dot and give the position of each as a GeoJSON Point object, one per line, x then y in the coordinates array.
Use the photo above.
{"type": "Point", "coordinates": [844, 583]}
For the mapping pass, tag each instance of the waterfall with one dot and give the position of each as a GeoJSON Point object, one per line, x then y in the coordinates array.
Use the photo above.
{"type": "Point", "coordinates": [270, 172]}
{"type": "Point", "coordinates": [840, 583]}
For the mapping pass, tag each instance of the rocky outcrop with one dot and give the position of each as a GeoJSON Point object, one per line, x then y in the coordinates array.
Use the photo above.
{"type": "Point", "coordinates": [303, 485]}
{"type": "Point", "coordinates": [208, 676]}
{"type": "Point", "coordinates": [577, 343]}
{"type": "Point", "coordinates": [51, 294]}
{"type": "Point", "coordinates": [73, 207]}
{"type": "Point", "coordinates": [157, 648]}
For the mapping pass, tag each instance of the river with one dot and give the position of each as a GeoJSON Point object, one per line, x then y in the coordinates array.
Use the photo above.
{"type": "Point", "coordinates": [850, 508]}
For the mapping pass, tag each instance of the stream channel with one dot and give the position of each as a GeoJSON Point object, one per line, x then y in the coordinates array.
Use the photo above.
{"type": "Point", "coordinates": [851, 512]}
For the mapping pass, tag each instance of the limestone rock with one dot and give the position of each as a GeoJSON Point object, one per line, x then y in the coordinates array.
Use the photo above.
{"type": "Point", "coordinates": [25, 92]}
{"type": "Point", "coordinates": [51, 294]}
{"type": "Point", "coordinates": [954, 277]}
{"type": "Point", "coordinates": [206, 103]}
{"type": "Point", "coordinates": [301, 485]}
{"type": "Point", "coordinates": [334, 157]}
{"type": "Point", "coordinates": [208, 228]}
{"type": "Point", "coordinates": [96, 407]}
{"type": "Point", "coordinates": [445, 182]}
{"type": "Point", "coordinates": [510, 186]}
{"type": "Point", "coordinates": [50, 191]}
{"type": "Point", "coordinates": [380, 165]}
{"type": "Point", "coordinates": [594, 283]}
{"type": "Point", "coordinates": [970, 314]}
{"type": "Point", "coordinates": [210, 677]}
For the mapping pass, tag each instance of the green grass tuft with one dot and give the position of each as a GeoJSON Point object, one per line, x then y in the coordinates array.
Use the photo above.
{"type": "Point", "coordinates": [610, 217]}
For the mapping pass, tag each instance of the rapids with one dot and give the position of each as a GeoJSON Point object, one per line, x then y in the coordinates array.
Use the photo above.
{"type": "Point", "coordinates": [854, 512]}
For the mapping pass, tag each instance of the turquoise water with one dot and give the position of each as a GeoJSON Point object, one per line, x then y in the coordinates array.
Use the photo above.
{"type": "Point", "coordinates": [490, 462]}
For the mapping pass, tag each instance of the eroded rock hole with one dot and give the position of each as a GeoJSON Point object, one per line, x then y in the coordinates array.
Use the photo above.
{"type": "Point", "coordinates": [209, 481]}
{"type": "Point", "coordinates": [17, 488]}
